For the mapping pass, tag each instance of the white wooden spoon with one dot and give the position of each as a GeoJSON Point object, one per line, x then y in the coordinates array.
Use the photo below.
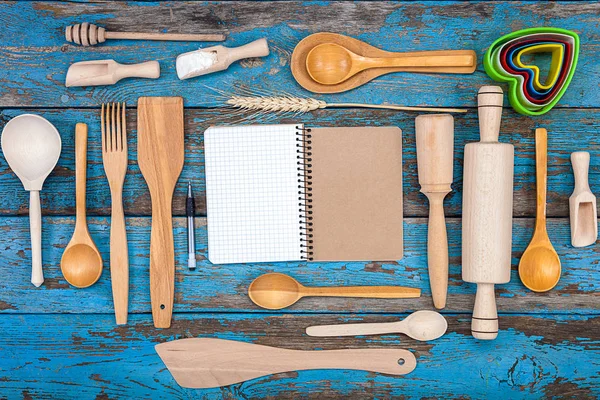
{"type": "Point", "coordinates": [31, 146]}
{"type": "Point", "coordinates": [421, 325]}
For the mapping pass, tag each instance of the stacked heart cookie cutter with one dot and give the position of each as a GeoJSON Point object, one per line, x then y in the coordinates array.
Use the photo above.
{"type": "Point", "coordinates": [528, 95]}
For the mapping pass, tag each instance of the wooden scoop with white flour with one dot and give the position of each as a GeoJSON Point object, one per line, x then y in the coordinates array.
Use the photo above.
{"type": "Point", "coordinates": [217, 58]}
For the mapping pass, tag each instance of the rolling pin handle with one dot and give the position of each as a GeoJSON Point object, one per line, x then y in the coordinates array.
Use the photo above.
{"type": "Point", "coordinates": [489, 108]}
{"type": "Point", "coordinates": [484, 324]}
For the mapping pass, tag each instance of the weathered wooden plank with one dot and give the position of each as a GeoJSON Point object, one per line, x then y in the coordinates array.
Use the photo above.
{"type": "Point", "coordinates": [35, 57]}
{"type": "Point", "coordinates": [570, 130]}
{"type": "Point", "coordinates": [86, 356]}
{"type": "Point", "coordinates": [224, 287]}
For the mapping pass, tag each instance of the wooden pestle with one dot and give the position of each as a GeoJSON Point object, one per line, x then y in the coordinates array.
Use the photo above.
{"type": "Point", "coordinates": [435, 161]}
{"type": "Point", "coordinates": [487, 213]}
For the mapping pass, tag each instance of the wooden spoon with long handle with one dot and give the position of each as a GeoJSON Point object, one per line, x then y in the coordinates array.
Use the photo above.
{"type": "Point", "coordinates": [421, 325]}
{"type": "Point", "coordinates": [331, 63]}
{"type": "Point", "coordinates": [160, 157]}
{"type": "Point", "coordinates": [539, 268]}
{"type": "Point", "coordinates": [202, 363]}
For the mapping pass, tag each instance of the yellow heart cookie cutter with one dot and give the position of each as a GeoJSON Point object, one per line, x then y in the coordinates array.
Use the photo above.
{"type": "Point", "coordinates": [557, 51]}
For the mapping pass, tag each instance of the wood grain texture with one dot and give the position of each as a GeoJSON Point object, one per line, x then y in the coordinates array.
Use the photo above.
{"type": "Point", "coordinates": [572, 130]}
{"type": "Point", "coordinates": [224, 287]}
{"type": "Point", "coordinates": [86, 356]}
{"type": "Point", "coordinates": [160, 157]}
{"type": "Point", "coordinates": [37, 61]}
{"type": "Point", "coordinates": [60, 342]}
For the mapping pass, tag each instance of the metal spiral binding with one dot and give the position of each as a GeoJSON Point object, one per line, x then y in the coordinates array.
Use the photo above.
{"type": "Point", "coordinates": [304, 162]}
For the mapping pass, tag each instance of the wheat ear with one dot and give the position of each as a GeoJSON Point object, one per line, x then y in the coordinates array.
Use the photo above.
{"type": "Point", "coordinates": [292, 104]}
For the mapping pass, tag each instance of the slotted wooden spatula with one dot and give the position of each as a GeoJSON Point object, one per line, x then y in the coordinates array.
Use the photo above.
{"type": "Point", "coordinates": [202, 363]}
{"type": "Point", "coordinates": [160, 157]}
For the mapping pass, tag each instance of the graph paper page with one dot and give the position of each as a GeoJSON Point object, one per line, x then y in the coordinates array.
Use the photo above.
{"type": "Point", "coordinates": [252, 194]}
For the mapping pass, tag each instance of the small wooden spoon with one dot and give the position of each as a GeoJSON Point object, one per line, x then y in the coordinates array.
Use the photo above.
{"type": "Point", "coordinates": [539, 268]}
{"type": "Point", "coordinates": [331, 63]}
{"type": "Point", "coordinates": [421, 325]}
{"type": "Point", "coordinates": [81, 263]}
{"type": "Point", "coordinates": [276, 291]}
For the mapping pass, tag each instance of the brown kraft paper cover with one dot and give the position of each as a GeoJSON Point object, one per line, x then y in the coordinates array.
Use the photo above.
{"type": "Point", "coordinates": [357, 194]}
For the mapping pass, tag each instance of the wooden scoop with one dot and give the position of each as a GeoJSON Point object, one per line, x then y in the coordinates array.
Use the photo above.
{"type": "Point", "coordinates": [160, 157]}
{"type": "Point", "coordinates": [108, 72]}
{"type": "Point", "coordinates": [421, 325]}
{"type": "Point", "coordinates": [202, 363]}
{"type": "Point", "coordinates": [276, 291]}
{"type": "Point", "coordinates": [217, 58]}
{"type": "Point", "coordinates": [582, 203]}
{"type": "Point", "coordinates": [331, 63]}
{"type": "Point", "coordinates": [539, 268]}
{"type": "Point", "coordinates": [81, 263]}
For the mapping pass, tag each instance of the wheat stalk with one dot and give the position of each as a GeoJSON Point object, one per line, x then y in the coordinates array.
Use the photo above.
{"type": "Point", "coordinates": [299, 105]}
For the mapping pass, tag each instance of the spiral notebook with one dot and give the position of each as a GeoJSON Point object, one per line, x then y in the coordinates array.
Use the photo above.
{"type": "Point", "coordinates": [286, 193]}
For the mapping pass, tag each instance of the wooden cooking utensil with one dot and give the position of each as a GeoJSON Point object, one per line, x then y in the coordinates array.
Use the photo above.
{"type": "Point", "coordinates": [160, 157]}
{"type": "Point", "coordinates": [217, 58]}
{"type": "Point", "coordinates": [201, 363]}
{"type": "Point", "coordinates": [81, 263]}
{"type": "Point", "coordinates": [487, 213]}
{"type": "Point", "coordinates": [539, 268]}
{"type": "Point", "coordinates": [108, 72]}
{"type": "Point", "coordinates": [32, 146]}
{"type": "Point", "coordinates": [582, 203]}
{"type": "Point", "coordinates": [435, 162]}
{"type": "Point", "coordinates": [421, 325]}
{"type": "Point", "coordinates": [87, 34]}
{"type": "Point", "coordinates": [300, 54]}
{"type": "Point", "coordinates": [114, 158]}
{"type": "Point", "coordinates": [276, 291]}
{"type": "Point", "coordinates": [331, 63]}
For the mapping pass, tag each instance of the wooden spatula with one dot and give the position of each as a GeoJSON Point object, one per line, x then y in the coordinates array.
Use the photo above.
{"type": "Point", "coordinates": [160, 157]}
{"type": "Point", "coordinates": [202, 363]}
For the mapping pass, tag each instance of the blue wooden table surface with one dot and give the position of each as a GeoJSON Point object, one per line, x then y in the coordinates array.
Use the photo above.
{"type": "Point", "coordinates": [57, 341]}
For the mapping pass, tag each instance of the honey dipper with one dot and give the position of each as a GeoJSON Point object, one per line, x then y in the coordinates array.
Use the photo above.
{"type": "Point", "coordinates": [87, 34]}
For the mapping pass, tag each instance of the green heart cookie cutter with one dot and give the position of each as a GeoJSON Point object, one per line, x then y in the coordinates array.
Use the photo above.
{"type": "Point", "coordinates": [513, 82]}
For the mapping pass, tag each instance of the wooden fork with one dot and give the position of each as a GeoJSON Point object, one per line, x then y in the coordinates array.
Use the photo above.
{"type": "Point", "coordinates": [114, 158]}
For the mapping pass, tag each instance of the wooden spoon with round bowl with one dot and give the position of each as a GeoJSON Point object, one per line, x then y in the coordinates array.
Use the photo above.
{"type": "Point", "coordinates": [276, 291]}
{"type": "Point", "coordinates": [81, 263]}
{"type": "Point", "coordinates": [539, 268]}
{"type": "Point", "coordinates": [331, 63]}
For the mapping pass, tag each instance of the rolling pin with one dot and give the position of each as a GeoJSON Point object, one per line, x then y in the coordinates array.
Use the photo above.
{"type": "Point", "coordinates": [435, 161]}
{"type": "Point", "coordinates": [487, 213]}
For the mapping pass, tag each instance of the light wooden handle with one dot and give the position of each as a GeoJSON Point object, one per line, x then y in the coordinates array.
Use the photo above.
{"type": "Point", "coordinates": [385, 361]}
{"type": "Point", "coordinates": [541, 172]}
{"type": "Point", "coordinates": [437, 249]}
{"type": "Point", "coordinates": [87, 34]}
{"type": "Point", "coordinates": [581, 165]}
{"type": "Point", "coordinates": [35, 227]}
{"type": "Point", "coordinates": [162, 263]}
{"type": "Point", "coordinates": [119, 257]}
{"type": "Point", "coordinates": [452, 58]}
{"type": "Point", "coordinates": [484, 324]}
{"type": "Point", "coordinates": [258, 48]}
{"type": "Point", "coordinates": [380, 328]}
{"type": "Point", "coordinates": [489, 108]}
{"type": "Point", "coordinates": [207, 363]}
{"type": "Point", "coordinates": [81, 138]}
{"type": "Point", "coordinates": [176, 37]}
{"type": "Point", "coordinates": [149, 69]}
{"type": "Point", "coordinates": [375, 292]}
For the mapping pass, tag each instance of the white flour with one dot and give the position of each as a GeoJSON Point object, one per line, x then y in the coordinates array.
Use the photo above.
{"type": "Point", "coordinates": [193, 64]}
